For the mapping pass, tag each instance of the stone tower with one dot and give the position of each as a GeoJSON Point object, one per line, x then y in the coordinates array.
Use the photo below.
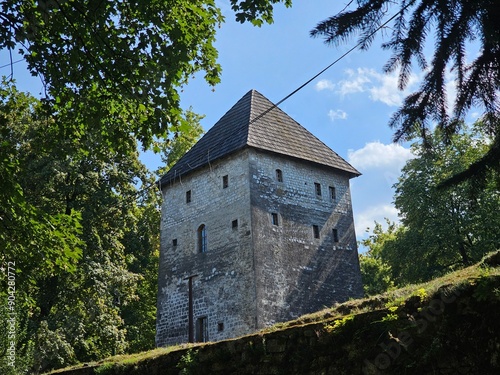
{"type": "Point", "coordinates": [260, 211]}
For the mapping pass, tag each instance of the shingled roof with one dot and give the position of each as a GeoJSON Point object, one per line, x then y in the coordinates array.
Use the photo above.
{"type": "Point", "coordinates": [255, 122]}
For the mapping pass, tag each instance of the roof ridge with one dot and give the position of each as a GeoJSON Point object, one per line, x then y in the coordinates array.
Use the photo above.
{"type": "Point", "coordinates": [266, 116]}
{"type": "Point", "coordinates": [255, 121]}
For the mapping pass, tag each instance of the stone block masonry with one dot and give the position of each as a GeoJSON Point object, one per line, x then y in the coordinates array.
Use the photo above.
{"type": "Point", "coordinates": [252, 272]}
{"type": "Point", "coordinates": [297, 270]}
{"type": "Point", "coordinates": [223, 291]}
{"type": "Point", "coordinates": [260, 211]}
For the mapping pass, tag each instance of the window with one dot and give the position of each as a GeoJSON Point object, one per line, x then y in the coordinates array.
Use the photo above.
{"type": "Point", "coordinates": [315, 231]}
{"type": "Point", "coordinates": [331, 190]}
{"type": "Point", "coordinates": [225, 181]}
{"type": "Point", "coordinates": [188, 196]}
{"type": "Point", "coordinates": [220, 327]}
{"type": "Point", "coordinates": [174, 242]}
{"type": "Point", "coordinates": [335, 234]}
{"type": "Point", "coordinates": [202, 238]}
{"type": "Point", "coordinates": [234, 224]}
{"type": "Point", "coordinates": [279, 175]}
{"type": "Point", "coordinates": [202, 329]}
{"type": "Point", "coordinates": [274, 218]}
{"type": "Point", "coordinates": [317, 188]}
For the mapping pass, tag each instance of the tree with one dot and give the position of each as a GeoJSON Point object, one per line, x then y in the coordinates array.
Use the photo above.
{"type": "Point", "coordinates": [447, 228]}
{"type": "Point", "coordinates": [35, 241]}
{"type": "Point", "coordinates": [376, 272]}
{"type": "Point", "coordinates": [175, 147]}
{"type": "Point", "coordinates": [47, 241]}
{"type": "Point", "coordinates": [72, 306]}
{"type": "Point", "coordinates": [85, 289]}
{"type": "Point", "coordinates": [455, 24]}
{"type": "Point", "coordinates": [119, 60]}
{"type": "Point", "coordinates": [256, 11]}
{"type": "Point", "coordinates": [441, 229]}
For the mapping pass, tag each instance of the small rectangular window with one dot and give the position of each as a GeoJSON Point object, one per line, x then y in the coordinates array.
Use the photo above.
{"type": "Point", "coordinates": [317, 188]}
{"type": "Point", "coordinates": [202, 238]}
{"type": "Point", "coordinates": [274, 218]}
{"type": "Point", "coordinates": [335, 234]}
{"type": "Point", "coordinates": [220, 327]}
{"type": "Point", "coordinates": [332, 193]}
{"type": "Point", "coordinates": [234, 224]}
{"type": "Point", "coordinates": [174, 242]}
{"type": "Point", "coordinates": [225, 181]}
{"type": "Point", "coordinates": [315, 231]}
{"type": "Point", "coordinates": [279, 175]}
{"type": "Point", "coordinates": [188, 196]}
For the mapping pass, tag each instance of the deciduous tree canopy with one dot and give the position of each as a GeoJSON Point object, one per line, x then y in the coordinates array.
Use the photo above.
{"type": "Point", "coordinates": [83, 237]}
{"type": "Point", "coordinates": [120, 60]}
{"type": "Point", "coordinates": [441, 229]}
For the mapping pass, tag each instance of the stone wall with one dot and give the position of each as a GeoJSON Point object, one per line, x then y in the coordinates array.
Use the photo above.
{"type": "Point", "coordinates": [452, 330]}
{"type": "Point", "coordinates": [224, 289]}
{"type": "Point", "coordinates": [254, 273]}
{"type": "Point", "coordinates": [296, 272]}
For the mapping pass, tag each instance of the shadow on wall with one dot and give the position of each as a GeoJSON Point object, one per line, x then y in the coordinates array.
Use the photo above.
{"type": "Point", "coordinates": [298, 273]}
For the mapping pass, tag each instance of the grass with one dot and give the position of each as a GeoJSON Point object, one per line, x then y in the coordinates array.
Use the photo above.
{"type": "Point", "coordinates": [126, 359]}
{"type": "Point", "coordinates": [340, 314]}
{"type": "Point", "coordinates": [488, 267]}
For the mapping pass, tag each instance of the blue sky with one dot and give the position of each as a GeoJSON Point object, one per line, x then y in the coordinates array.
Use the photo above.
{"type": "Point", "coordinates": [348, 107]}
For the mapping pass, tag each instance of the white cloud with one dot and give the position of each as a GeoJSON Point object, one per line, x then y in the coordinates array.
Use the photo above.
{"type": "Point", "coordinates": [324, 84]}
{"type": "Point", "coordinates": [474, 115]}
{"type": "Point", "coordinates": [387, 92]}
{"type": "Point", "coordinates": [378, 155]}
{"type": "Point", "coordinates": [381, 87]}
{"type": "Point", "coordinates": [451, 91]}
{"type": "Point", "coordinates": [358, 82]}
{"type": "Point", "coordinates": [337, 114]}
{"type": "Point", "coordinates": [378, 213]}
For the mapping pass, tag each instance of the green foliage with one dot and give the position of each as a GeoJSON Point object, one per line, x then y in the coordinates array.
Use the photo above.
{"type": "Point", "coordinates": [188, 362]}
{"type": "Point", "coordinates": [17, 334]}
{"type": "Point", "coordinates": [63, 215]}
{"type": "Point", "coordinates": [338, 323]}
{"type": "Point", "coordinates": [87, 271]}
{"type": "Point", "coordinates": [47, 242]}
{"type": "Point", "coordinates": [452, 26]}
{"type": "Point", "coordinates": [376, 273]}
{"type": "Point", "coordinates": [256, 12]}
{"type": "Point", "coordinates": [389, 318]}
{"type": "Point", "coordinates": [117, 67]}
{"type": "Point", "coordinates": [53, 349]}
{"type": "Point", "coordinates": [105, 368]}
{"type": "Point", "coordinates": [445, 228]}
{"type": "Point", "coordinates": [174, 148]}
{"type": "Point", "coordinates": [442, 229]}
{"type": "Point", "coordinates": [116, 60]}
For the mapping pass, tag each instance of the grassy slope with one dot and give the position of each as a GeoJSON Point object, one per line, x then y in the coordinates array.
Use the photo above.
{"type": "Point", "coordinates": [392, 327]}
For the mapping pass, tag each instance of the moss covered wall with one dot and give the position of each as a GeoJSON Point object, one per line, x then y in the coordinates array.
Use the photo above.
{"type": "Point", "coordinates": [455, 329]}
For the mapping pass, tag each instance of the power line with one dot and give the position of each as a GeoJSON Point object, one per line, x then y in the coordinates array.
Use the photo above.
{"type": "Point", "coordinates": [329, 66]}
{"type": "Point", "coordinates": [321, 72]}
{"type": "Point", "coordinates": [11, 63]}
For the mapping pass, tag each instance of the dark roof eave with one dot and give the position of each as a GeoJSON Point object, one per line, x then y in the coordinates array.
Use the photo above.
{"type": "Point", "coordinates": [351, 174]}
{"type": "Point", "coordinates": [170, 178]}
